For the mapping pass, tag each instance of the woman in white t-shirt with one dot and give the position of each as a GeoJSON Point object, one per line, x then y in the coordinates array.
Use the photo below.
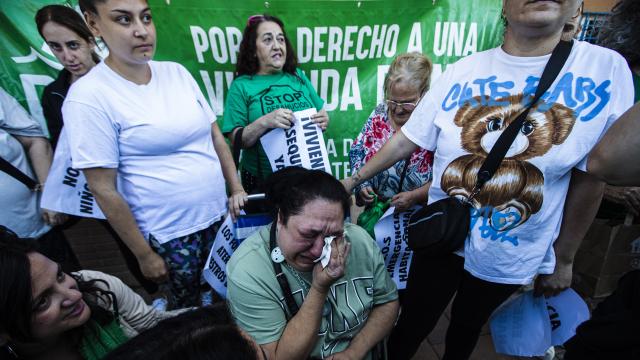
{"type": "Point", "coordinates": [148, 125]}
{"type": "Point", "coordinates": [528, 220]}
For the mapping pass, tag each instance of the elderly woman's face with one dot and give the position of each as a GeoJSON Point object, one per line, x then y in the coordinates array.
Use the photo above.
{"type": "Point", "coordinates": [301, 239]}
{"type": "Point", "coordinates": [401, 100]}
{"type": "Point", "coordinates": [539, 13]}
{"type": "Point", "coordinates": [271, 48]}
{"type": "Point", "coordinates": [57, 303]}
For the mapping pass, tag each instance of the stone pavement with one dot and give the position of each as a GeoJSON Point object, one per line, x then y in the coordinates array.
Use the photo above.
{"type": "Point", "coordinates": [432, 347]}
{"type": "Point", "coordinates": [97, 251]}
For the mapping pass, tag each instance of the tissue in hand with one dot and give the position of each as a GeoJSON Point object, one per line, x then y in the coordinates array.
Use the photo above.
{"type": "Point", "coordinates": [326, 252]}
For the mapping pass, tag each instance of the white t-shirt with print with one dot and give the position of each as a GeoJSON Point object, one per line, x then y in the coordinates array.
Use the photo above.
{"type": "Point", "coordinates": [158, 136]}
{"type": "Point", "coordinates": [517, 215]}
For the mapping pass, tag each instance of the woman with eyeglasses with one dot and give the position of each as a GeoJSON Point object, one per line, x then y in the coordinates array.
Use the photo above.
{"type": "Point", "coordinates": [407, 80]}
{"type": "Point", "coordinates": [267, 90]}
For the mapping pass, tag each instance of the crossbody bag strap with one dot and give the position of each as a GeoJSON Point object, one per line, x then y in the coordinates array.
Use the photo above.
{"type": "Point", "coordinates": [499, 150]}
{"type": "Point", "coordinates": [15, 173]}
{"type": "Point", "coordinates": [282, 279]}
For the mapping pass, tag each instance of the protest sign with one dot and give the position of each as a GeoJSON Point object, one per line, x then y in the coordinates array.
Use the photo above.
{"type": "Point", "coordinates": [66, 189]}
{"type": "Point", "coordinates": [391, 236]}
{"type": "Point", "coordinates": [301, 145]}
{"type": "Point", "coordinates": [228, 238]}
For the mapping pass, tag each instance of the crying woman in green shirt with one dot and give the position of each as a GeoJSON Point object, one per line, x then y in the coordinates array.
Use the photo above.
{"type": "Point", "coordinates": [268, 89]}
{"type": "Point", "coordinates": [310, 285]}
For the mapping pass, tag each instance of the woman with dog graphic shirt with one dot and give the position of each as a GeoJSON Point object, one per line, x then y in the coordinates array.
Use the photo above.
{"type": "Point", "coordinates": [521, 212]}
{"type": "Point", "coordinates": [268, 89]}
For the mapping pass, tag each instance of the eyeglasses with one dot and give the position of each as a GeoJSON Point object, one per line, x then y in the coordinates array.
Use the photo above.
{"type": "Point", "coordinates": [254, 18]}
{"type": "Point", "coordinates": [406, 106]}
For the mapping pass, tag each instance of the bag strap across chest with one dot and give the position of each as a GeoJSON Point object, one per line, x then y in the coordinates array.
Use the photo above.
{"type": "Point", "coordinates": [499, 150]}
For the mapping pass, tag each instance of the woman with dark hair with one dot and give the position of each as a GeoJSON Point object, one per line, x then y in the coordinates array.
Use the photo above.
{"type": "Point", "coordinates": [203, 333]}
{"type": "Point", "coordinates": [309, 285]}
{"type": "Point", "coordinates": [268, 89]}
{"type": "Point", "coordinates": [73, 45]}
{"type": "Point", "coordinates": [147, 124]}
{"type": "Point", "coordinates": [48, 314]}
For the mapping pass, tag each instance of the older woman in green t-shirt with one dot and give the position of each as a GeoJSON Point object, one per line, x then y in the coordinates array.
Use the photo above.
{"type": "Point", "coordinates": [268, 89]}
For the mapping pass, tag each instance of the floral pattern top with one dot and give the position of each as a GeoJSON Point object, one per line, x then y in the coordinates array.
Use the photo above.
{"type": "Point", "coordinates": [375, 133]}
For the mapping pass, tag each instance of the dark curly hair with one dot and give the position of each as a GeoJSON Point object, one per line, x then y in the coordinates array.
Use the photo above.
{"type": "Point", "coordinates": [247, 61]}
{"type": "Point", "coordinates": [621, 32]}
{"type": "Point", "coordinates": [16, 297]}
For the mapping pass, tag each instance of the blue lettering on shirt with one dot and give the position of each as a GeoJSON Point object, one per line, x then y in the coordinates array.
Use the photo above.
{"type": "Point", "coordinates": [488, 217]}
{"type": "Point", "coordinates": [581, 94]}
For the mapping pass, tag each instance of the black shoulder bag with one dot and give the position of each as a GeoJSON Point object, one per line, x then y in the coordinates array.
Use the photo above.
{"type": "Point", "coordinates": [442, 227]}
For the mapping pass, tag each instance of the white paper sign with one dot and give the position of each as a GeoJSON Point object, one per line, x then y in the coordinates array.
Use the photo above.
{"type": "Point", "coordinates": [301, 145]}
{"type": "Point", "coordinates": [391, 236]}
{"type": "Point", "coordinates": [227, 239]}
{"type": "Point", "coordinates": [66, 190]}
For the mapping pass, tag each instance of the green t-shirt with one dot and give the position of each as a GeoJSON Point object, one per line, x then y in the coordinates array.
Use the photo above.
{"type": "Point", "coordinates": [251, 97]}
{"type": "Point", "coordinates": [258, 305]}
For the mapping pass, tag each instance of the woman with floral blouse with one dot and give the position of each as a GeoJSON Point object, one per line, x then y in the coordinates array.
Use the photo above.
{"type": "Point", "coordinates": [405, 83]}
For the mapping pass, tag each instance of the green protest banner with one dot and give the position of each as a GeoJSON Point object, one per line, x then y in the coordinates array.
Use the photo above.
{"type": "Point", "coordinates": [26, 64]}
{"type": "Point", "coordinates": [344, 47]}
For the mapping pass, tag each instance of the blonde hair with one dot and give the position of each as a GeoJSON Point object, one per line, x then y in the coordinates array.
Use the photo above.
{"type": "Point", "coordinates": [414, 68]}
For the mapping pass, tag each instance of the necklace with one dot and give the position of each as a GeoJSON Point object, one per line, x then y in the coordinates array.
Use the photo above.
{"type": "Point", "coordinates": [303, 284]}
{"type": "Point", "coordinates": [326, 308]}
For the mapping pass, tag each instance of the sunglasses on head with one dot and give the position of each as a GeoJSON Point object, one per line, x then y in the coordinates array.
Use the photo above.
{"type": "Point", "coordinates": [254, 18]}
